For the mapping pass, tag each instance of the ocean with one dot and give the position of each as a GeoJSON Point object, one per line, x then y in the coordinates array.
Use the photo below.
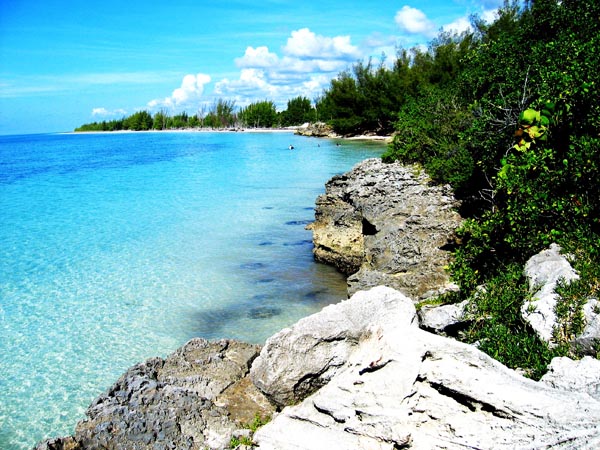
{"type": "Point", "coordinates": [119, 247]}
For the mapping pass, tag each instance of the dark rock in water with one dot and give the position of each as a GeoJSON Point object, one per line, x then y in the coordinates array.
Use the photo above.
{"type": "Point", "coordinates": [298, 243]}
{"type": "Point", "coordinates": [264, 312]}
{"type": "Point", "coordinates": [265, 280]}
{"type": "Point", "coordinates": [312, 295]}
{"type": "Point", "coordinates": [298, 222]}
{"type": "Point", "coordinates": [253, 265]}
{"type": "Point", "coordinates": [196, 398]}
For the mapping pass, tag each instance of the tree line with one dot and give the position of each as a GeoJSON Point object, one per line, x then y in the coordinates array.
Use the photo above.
{"type": "Point", "coordinates": [221, 114]}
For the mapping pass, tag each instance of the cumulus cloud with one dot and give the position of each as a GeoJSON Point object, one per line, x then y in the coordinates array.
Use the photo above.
{"type": "Point", "coordinates": [304, 43]}
{"type": "Point", "coordinates": [307, 63]}
{"type": "Point", "coordinates": [257, 57]}
{"type": "Point", "coordinates": [459, 25]}
{"type": "Point", "coordinates": [414, 21]}
{"type": "Point", "coordinates": [103, 112]}
{"type": "Point", "coordinates": [464, 23]}
{"type": "Point", "coordinates": [191, 89]}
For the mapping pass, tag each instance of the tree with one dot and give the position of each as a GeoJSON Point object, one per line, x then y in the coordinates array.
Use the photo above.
{"type": "Point", "coordinates": [299, 110]}
{"type": "Point", "coordinates": [260, 114]}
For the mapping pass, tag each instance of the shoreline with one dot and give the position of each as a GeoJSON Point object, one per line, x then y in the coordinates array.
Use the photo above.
{"type": "Point", "coordinates": [294, 130]}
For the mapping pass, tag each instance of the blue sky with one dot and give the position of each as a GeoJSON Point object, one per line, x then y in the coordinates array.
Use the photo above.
{"type": "Point", "coordinates": [64, 63]}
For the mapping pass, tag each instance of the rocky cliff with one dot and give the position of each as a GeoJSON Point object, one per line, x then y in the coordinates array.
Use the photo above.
{"type": "Point", "coordinates": [385, 224]}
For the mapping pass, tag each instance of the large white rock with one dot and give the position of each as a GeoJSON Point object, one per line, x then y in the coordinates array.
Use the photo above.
{"type": "Point", "coordinates": [402, 387]}
{"type": "Point", "coordinates": [298, 360]}
{"type": "Point", "coordinates": [544, 271]}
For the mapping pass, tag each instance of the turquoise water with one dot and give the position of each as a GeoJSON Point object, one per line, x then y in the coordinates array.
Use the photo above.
{"type": "Point", "coordinates": [118, 247]}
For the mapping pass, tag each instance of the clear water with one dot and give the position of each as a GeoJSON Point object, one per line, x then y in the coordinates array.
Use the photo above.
{"type": "Point", "coordinates": [118, 247]}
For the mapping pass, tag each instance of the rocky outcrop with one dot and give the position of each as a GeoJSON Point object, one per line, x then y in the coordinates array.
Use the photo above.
{"type": "Point", "coordinates": [197, 398]}
{"type": "Point", "coordinates": [317, 129]}
{"type": "Point", "coordinates": [544, 271]}
{"type": "Point", "coordinates": [384, 224]}
{"type": "Point", "coordinates": [402, 387]}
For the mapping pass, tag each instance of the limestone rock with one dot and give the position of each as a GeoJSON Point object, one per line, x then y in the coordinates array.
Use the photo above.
{"type": "Point", "coordinates": [196, 398]}
{"type": "Point", "coordinates": [383, 224]}
{"type": "Point", "coordinates": [544, 271]}
{"type": "Point", "coordinates": [317, 129]}
{"type": "Point", "coordinates": [577, 376]}
{"type": "Point", "coordinates": [402, 387]}
{"type": "Point", "coordinates": [443, 319]}
{"type": "Point", "coordinates": [298, 360]}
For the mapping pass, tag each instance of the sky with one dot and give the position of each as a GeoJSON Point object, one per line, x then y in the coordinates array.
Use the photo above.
{"type": "Point", "coordinates": [65, 63]}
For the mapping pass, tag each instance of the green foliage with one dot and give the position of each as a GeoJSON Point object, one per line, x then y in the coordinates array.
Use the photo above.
{"type": "Point", "coordinates": [498, 328]}
{"type": "Point", "coordinates": [429, 131]}
{"type": "Point", "coordinates": [299, 110]}
{"type": "Point", "coordinates": [256, 423]}
{"type": "Point", "coordinates": [221, 114]}
{"type": "Point", "coordinates": [260, 114]}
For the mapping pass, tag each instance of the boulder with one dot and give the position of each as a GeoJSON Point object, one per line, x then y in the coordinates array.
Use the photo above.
{"type": "Point", "coordinates": [299, 360]}
{"type": "Point", "coordinates": [544, 271]}
{"type": "Point", "coordinates": [402, 387]}
{"type": "Point", "coordinates": [445, 319]}
{"type": "Point", "coordinates": [197, 398]}
{"type": "Point", "coordinates": [385, 224]}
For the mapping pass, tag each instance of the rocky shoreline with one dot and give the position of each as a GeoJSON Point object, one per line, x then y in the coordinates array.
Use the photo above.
{"type": "Point", "coordinates": [366, 373]}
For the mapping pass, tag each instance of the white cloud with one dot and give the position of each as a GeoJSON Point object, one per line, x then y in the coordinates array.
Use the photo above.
{"type": "Point", "coordinates": [459, 25]}
{"type": "Point", "coordinates": [304, 43]}
{"type": "Point", "coordinates": [192, 88]}
{"type": "Point", "coordinates": [103, 112]}
{"type": "Point", "coordinates": [414, 21]}
{"type": "Point", "coordinates": [257, 57]}
{"type": "Point", "coordinates": [306, 65]}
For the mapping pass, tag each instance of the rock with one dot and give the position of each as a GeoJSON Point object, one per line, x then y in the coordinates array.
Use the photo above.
{"type": "Point", "coordinates": [544, 271]}
{"type": "Point", "coordinates": [61, 443]}
{"type": "Point", "coordinates": [196, 398]}
{"type": "Point", "coordinates": [577, 376]}
{"type": "Point", "coordinates": [383, 224]}
{"type": "Point", "coordinates": [299, 360]}
{"type": "Point", "coordinates": [445, 319]}
{"type": "Point", "coordinates": [402, 387]}
{"type": "Point", "coordinates": [590, 338]}
{"type": "Point", "coordinates": [317, 129]}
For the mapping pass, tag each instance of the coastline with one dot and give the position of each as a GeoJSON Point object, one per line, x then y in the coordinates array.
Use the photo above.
{"type": "Point", "coordinates": [295, 130]}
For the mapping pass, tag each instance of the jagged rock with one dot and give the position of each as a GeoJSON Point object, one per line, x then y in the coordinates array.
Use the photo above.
{"type": "Point", "coordinates": [383, 224]}
{"type": "Point", "coordinates": [299, 360]}
{"type": "Point", "coordinates": [61, 443]}
{"type": "Point", "coordinates": [577, 376]}
{"type": "Point", "coordinates": [544, 271]}
{"type": "Point", "coordinates": [196, 398]}
{"type": "Point", "coordinates": [402, 387]}
{"type": "Point", "coordinates": [443, 319]}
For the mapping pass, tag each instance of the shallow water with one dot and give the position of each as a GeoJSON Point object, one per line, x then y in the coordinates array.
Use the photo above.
{"type": "Point", "coordinates": [118, 247]}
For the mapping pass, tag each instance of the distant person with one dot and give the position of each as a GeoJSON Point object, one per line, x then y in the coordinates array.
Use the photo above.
{"type": "Point", "coordinates": [291, 147]}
